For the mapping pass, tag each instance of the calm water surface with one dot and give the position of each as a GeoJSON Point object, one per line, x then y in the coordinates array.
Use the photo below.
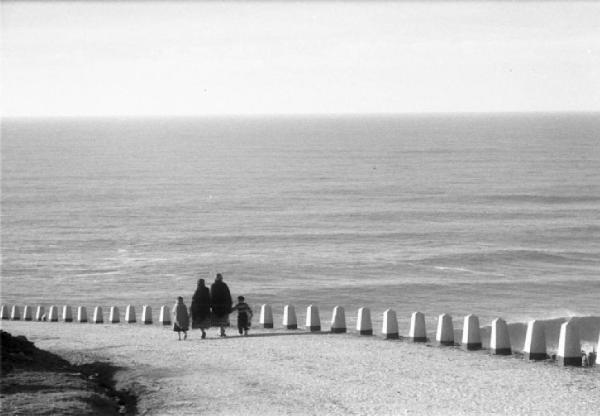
{"type": "Point", "coordinates": [494, 215]}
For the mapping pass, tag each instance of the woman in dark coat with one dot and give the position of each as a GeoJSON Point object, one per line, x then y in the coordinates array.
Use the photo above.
{"type": "Point", "coordinates": [200, 308]}
{"type": "Point", "coordinates": [220, 302]}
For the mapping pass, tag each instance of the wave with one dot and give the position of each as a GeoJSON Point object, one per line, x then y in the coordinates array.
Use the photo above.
{"type": "Point", "coordinates": [544, 199]}
{"type": "Point", "coordinates": [507, 256]}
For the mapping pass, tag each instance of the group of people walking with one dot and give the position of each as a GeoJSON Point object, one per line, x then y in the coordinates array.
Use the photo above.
{"type": "Point", "coordinates": [211, 308]}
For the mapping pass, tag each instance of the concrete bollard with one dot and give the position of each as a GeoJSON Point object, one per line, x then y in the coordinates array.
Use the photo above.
{"type": "Point", "coordinates": [4, 314]}
{"type": "Point", "coordinates": [499, 338]}
{"type": "Point", "coordinates": [363, 322]}
{"type": "Point", "coordinates": [266, 316]}
{"type": "Point", "coordinates": [98, 315]}
{"type": "Point", "coordinates": [27, 313]}
{"type": "Point", "coordinates": [389, 329]}
{"type": "Point", "coordinates": [338, 320]}
{"type": "Point", "coordinates": [444, 334]}
{"type": "Point", "coordinates": [15, 313]}
{"type": "Point", "coordinates": [53, 314]}
{"type": "Point", "coordinates": [130, 314]}
{"type": "Point", "coordinates": [535, 341]}
{"type": "Point", "coordinates": [164, 317]}
{"type": "Point", "coordinates": [313, 320]}
{"type": "Point", "coordinates": [40, 313]}
{"type": "Point", "coordinates": [147, 315]}
{"type": "Point", "coordinates": [569, 345]}
{"type": "Point", "coordinates": [417, 331]}
{"type": "Point", "coordinates": [471, 338]}
{"type": "Point", "coordinates": [67, 314]}
{"type": "Point", "coordinates": [115, 316]}
{"type": "Point", "coordinates": [289, 317]}
{"type": "Point", "coordinates": [82, 314]}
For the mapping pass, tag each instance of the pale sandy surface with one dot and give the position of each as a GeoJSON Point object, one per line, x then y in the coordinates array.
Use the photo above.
{"type": "Point", "coordinates": [277, 372]}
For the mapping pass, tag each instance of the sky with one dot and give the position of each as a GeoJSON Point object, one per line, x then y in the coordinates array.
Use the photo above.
{"type": "Point", "coordinates": [140, 58]}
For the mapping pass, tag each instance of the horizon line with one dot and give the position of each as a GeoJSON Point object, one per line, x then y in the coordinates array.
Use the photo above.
{"type": "Point", "coordinates": [295, 115]}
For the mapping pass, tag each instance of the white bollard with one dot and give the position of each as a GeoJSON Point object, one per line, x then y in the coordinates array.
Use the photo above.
{"type": "Point", "coordinates": [82, 314]}
{"type": "Point", "coordinates": [4, 314]}
{"type": "Point", "coordinates": [444, 334]}
{"type": "Point", "coordinates": [53, 314]}
{"type": "Point", "coordinates": [27, 313]}
{"type": "Point", "coordinates": [389, 329]}
{"type": "Point", "coordinates": [15, 313]}
{"type": "Point", "coordinates": [266, 316]}
{"type": "Point", "coordinates": [40, 313]}
{"type": "Point", "coordinates": [289, 317]}
{"type": "Point", "coordinates": [471, 339]}
{"type": "Point", "coordinates": [130, 314]}
{"type": "Point", "coordinates": [499, 338]}
{"type": "Point", "coordinates": [98, 315]}
{"type": "Point", "coordinates": [363, 322]}
{"type": "Point", "coordinates": [67, 314]}
{"type": "Point", "coordinates": [115, 316]}
{"type": "Point", "coordinates": [535, 341]}
{"type": "Point", "coordinates": [417, 331]}
{"type": "Point", "coordinates": [313, 320]}
{"type": "Point", "coordinates": [164, 317]}
{"type": "Point", "coordinates": [338, 320]}
{"type": "Point", "coordinates": [569, 345]}
{"type": "Point", "coordinates": [147, 315]}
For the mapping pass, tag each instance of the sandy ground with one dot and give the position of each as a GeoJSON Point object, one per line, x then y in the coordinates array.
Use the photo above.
{"type": "Point", "coordinates": [277, 372]}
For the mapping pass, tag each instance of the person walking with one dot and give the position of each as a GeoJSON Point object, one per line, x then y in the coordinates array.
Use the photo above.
{"type": "Point", "coordinates": [181, 320]}
{"type": "Point", "coordinates": [200, 308]}
{"type": "Point", "coordinates": [220, 302]}
{"type": "Point", "coordinates": [244, 315]}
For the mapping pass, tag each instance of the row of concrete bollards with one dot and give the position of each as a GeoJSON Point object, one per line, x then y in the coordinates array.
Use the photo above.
{"type": "Point", "coordinates": [66, 314]}
{"type": "Point", "coordinates": [569, 349]}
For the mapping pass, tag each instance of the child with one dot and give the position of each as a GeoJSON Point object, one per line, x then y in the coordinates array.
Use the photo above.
{"type": "Point", "coordinates": [244, 316]}
{"type": "Point", "coordinates": [181, 319]}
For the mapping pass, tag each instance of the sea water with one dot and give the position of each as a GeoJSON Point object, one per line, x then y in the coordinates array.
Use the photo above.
{"type": "Point", "coordinates": [497, 215]}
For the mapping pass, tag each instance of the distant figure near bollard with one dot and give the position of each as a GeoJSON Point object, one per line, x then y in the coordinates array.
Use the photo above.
{"type": "Point", "coordinates": [338, 320]}
{"type": "Point", "coordinates": [27, 313]}
{"type": "Point", "coordinates": [115, 316]}
{"type": "Point", "coordinates": [389, 329]}
{"type": "Point", "coordinates": [130, 314]}
{"type": "Point", "coordinates": [445, 330]}
{"type": "Point", "coordinates": [535, 341]}
{"type": "Point", "coordinates": [4, 314]}
{"type": "Point", "coordinates": [313, 320]}
{"type": "Point", "coordinates": [67, 314]}
{"type": "Point", "coordinates": [289, 317]}
{"type": "Point", "coordinates": [98, 315]}
{"type": "Point", "coordinates": [146, 315]}
{"type": "Point", "coordinates": [471, 338]}
{"type": "Point", "coordinates": [82, 314]}
{"type": "Point", "coordinates": [417, 331]}
{"type": "Point", "coordinates": [164, 317]}
{"type": "Point", "coordinates": [15, 313]}
{"type": "Point", "coordinates": [569, 345]}
{"type": "Point", "coordinates": [40, 313]}
{"type": "Point", "coordinates": [266, 316]}
{"type": "Point", "coordinates": [363, 322]}
{"type": "Point", "coordinates": [53, 314]}
{"type": "Point", "coordinates": [499, 338]}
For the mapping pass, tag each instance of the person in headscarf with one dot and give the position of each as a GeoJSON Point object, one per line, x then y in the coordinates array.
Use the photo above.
{"type": "Point", "coordinates": [220, 302]}
{"type": "Point", "coordinates": [200, 309]}
{"type": "Point", "coordinates": [181, 319]}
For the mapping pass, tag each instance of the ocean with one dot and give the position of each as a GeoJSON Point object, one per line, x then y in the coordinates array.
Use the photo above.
{"type": "Point", "coordinates": [496, 215]}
